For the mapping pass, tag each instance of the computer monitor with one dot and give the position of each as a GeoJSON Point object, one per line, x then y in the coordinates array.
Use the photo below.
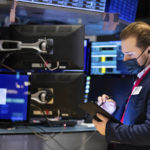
{"type": "Point", "coordinates": [14, 98]}
{"type": "Point", "coordinates": [107, 58]}
{"type": "Point", "coordinates": [91, 5]}
{"type": "Point", "coordinates": [126, 9]}
{"type": "Point", "coordinates": [66, 47]}
{"type": "Point", "coordinates": [64, 92]}
{"type": "Point", "coordinates": [87, 52]}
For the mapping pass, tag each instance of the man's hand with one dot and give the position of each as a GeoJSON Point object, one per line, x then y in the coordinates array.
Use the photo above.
{"type": "Point", "coordinates": [100, 126]}
{"type": "Point", "coordinates": [107, 103]}
{"type": "Point", "coordinates": [102, 99]}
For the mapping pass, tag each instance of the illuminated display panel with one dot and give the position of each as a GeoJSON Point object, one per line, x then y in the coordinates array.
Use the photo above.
{"type": "Point", "coordinates": [107, 58]}
{"type": "Point", "coordinates": [93, 5]}
{"type": "Point", "coordinates": [14, 97]}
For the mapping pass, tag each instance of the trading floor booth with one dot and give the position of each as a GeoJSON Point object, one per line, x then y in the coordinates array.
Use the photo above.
{"type": "Point", "coordinates": [51, 62]}
{"type": "Point", "coordinates": [44, 138]}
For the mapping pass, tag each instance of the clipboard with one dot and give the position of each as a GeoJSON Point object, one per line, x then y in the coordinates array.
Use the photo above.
{"type": "Point", "coordinates": [92, 108]}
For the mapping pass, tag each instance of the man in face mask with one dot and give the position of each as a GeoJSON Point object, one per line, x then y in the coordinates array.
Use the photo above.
{"type": "Point", "coordinates": [133, 131]}
{"type": "Point", "coordinates": [135, 58]}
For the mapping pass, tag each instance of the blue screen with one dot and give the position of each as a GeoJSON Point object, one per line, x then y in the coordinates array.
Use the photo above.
{"type": "Point", "coordinates": [125, 8]}
{"type": "Point", "coordinates": [86, 55]}
{"type": "Point", "coordinates": [14, 97]}
{"type": "Point", "coordinates": [107, 58]}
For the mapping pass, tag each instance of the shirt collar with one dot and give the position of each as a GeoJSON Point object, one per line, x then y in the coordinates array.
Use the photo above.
{"type": "Point", "coordinates": [139, 75]}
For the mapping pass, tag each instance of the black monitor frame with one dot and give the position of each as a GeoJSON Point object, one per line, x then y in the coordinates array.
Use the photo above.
{"type": "Point", "coordinates": [67, 48]}
{"type": "Point", "coordinates": [67, 93]}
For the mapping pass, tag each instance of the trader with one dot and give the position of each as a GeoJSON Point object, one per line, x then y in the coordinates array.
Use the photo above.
{"type": "Point", "coordinates": [133, 131]}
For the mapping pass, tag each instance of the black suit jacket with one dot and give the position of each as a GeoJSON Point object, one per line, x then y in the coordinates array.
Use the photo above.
{"type": "Point", "coordinates": [134, 134]}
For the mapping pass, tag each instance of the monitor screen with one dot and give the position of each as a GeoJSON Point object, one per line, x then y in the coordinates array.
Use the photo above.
{"type": "Point", "coordinates": [126, 9]}
{"type": "Point", "coordinates": [107, 58]}
{"type": "Point", "coordinates": [64, 92]}
{"type": "Point", "coordinates": [14, 97]}
{"type": "Point", "coordinates": [87, 51]}
{"type": "Point", "coordinates": [90, 5]}
{"type": "Point", "coordinates": [65, 47]}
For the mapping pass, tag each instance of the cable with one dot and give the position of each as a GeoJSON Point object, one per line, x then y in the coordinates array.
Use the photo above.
{"type": "Point", "coordinates": [6, 56]}
{"type": "Point", "coordinates": [45, 132]}
{"type": "Point", "coordinates": [7, 67]}
{"type": "Point", "coordinates": [47, 138]}
{"type": "Point", "coordinates": [50, 137]}
{"type": "Point", "coordinates": [40, 136]}
{"type": "Point", "coordinates": [41, 57]}
{"type": "Point", "coordinates": [86, 140]}
{"type": "Point", "coordinates": [46, 64]}
{"type": "Point", "coordinates": [42, 112]}
{"type": "Point", "coordinates": [46, 118]}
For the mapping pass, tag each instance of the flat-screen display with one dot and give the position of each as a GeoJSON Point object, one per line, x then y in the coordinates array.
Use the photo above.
{"type": "Point", "coordinates": [65, 91]}
{"type": "Point", "coordinates": [14, 97]}
{"type": "Point", "coordinates": [107, 58]}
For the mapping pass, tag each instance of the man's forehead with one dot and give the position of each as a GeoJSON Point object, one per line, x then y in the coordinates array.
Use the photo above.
{"type": "Point", "coordinates": [129, 41]}
{"type": "Point", "coordinates": [128, 45]}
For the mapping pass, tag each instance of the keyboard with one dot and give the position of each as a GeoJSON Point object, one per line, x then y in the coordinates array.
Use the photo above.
{"type": "Point", "coordinates": [59, 123]}
{"type": "Point", "coordinates": [62, 123]}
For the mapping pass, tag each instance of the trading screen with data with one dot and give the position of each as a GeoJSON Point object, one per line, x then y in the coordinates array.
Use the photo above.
{"type": "Point", "coordinates": [107, 58]}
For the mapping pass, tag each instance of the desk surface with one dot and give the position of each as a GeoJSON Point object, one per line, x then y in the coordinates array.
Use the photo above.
{"type": "Point", "coordinates": [52, 138]}
{"type": "Point", "coordinates": [43, 129]}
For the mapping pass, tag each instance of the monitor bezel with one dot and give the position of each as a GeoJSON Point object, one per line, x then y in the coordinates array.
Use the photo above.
{"type": "Point", "coordinates": [79, 75]}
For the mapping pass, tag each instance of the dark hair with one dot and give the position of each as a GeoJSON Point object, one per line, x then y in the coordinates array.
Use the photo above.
{"type": "Point", "coordinates": [139, 30]}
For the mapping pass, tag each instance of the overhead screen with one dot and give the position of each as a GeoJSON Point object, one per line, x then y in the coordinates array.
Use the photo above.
{"type": "Point", "coordinates": [125, 8]}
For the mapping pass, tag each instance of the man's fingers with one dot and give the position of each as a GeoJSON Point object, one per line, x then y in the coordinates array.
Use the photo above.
{"type": "Point", "coordinates": [94, 121]}
{"type": "Point", "coordinates": [100, 100]}
{"type": "Point", "coordinates": [104, 96]}
{"type": "Point", "coordinates": [101, 117]}
{"type": "Point", "coordinates": [111, 100]}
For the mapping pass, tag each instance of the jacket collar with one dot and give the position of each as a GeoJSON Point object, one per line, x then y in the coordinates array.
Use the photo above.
{"type": "Point", "coordinates": [140, 74]}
